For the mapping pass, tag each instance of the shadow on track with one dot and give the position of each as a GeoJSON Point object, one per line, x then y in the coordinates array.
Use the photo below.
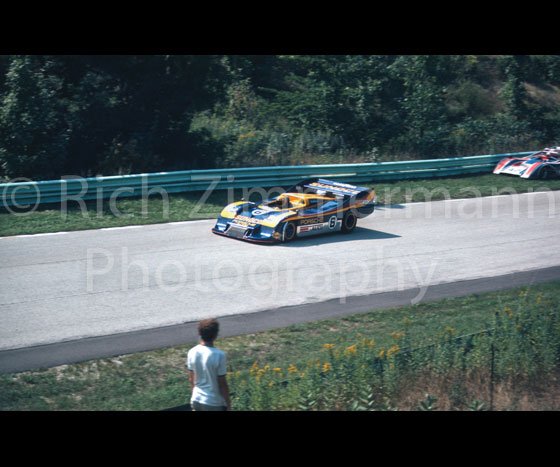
{"type": "Point", "coordinates": [360, 233]}
{"type": "Point", "coordinates": [382, 207]}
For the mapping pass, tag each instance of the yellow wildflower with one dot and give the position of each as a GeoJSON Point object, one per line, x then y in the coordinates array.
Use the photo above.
{"type": "Point", "coordinates": [372, 343]}
{"type": "Point", "coordinates": [351, 350]}
{"type": "Point", "coordinates": [392, 350]}
{"type": "Point", "coordinates": [292, 369]}
{"type": "Point", "coordinates": [328, 346]}
{"type": "Point", "coordinates": [326, 367]}
{"type": "Point", "coordinates": [539, 299]}
{"type": "Point", "coordinates": [381, 353]}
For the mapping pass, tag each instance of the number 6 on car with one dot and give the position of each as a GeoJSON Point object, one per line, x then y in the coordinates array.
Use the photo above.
{"type": "Point", "coordinates": [311, 207]}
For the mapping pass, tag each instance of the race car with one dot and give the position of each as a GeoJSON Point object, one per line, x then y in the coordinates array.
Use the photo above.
{"type": "Point", "coordinates": [313, 206]}
{"type": "Point", "coordinates": [543, 164]}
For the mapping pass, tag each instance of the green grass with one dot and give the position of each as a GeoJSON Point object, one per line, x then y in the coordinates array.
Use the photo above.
{"type": "Point", "coordinates": [193, 206]}
{"type": "Point", "coordinates": [158, 379]}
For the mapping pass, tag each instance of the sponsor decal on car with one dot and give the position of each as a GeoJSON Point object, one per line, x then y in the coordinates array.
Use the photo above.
{"type": "Point", "coordinates": [338, 187]}
{"type": "Point", "coordinates": [312, 220]}
{"type": "Point", "coordinates": [309, 228]}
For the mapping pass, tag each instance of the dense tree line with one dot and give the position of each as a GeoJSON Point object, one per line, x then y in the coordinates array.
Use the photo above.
{"type": "Point", "coordinates": [88, 114]}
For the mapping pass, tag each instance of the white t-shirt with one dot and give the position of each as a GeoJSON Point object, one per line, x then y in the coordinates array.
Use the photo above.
{"type": "Point", "coordinates": [207, 363]}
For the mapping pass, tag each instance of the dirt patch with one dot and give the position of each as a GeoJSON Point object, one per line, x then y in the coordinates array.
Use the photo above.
{"type": "Point", "coordinates": [546, 96]}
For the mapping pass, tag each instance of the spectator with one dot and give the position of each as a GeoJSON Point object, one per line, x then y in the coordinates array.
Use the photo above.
{"type": "Point", "coordinates": [207, 371]}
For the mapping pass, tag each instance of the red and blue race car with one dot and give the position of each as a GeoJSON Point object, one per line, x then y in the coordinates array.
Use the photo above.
{"type": "Point", "coordinates": [543, 165]}
{"type": "Point", "coordinates": [311, 207]}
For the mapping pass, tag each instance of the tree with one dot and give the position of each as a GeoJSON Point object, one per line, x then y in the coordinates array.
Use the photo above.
{"type": "Point", "coordinates": [33, 130]}
{"type": "Point", "coordinates": [85, 115]}
{"type": "Point", "coordinates": [422, 104]}
{"type": "Point", "coordinates": [513, 92]}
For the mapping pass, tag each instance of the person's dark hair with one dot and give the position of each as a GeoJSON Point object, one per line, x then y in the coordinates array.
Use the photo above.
{"type": "Point", "coordinates": [208, 329]}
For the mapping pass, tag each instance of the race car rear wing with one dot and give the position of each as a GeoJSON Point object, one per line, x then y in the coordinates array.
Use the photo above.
{"type": "Point", "coordinates": [321, 186]}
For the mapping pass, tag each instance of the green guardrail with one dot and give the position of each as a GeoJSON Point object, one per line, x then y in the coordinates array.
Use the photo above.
{"type": "Point", "coordinates": [27, 192]}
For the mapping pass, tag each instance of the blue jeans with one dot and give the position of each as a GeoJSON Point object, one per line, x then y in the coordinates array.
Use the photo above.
{"type": "Point", "coordinates": [198, 407]}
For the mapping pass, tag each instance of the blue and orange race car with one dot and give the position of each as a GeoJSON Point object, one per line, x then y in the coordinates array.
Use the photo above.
{"type": "Point", "coordinates": [313, 206]}
{"type": "Point", "coordinates": [543, 164]}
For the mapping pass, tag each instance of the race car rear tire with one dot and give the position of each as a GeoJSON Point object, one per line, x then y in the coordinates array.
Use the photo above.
{"type": "Point", "coordinates": [349, 222]}
{"type": "Point", "coordinates": [289, 232]}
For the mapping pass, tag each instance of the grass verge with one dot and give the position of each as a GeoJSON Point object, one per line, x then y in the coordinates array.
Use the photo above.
{"type": "Point", "coordinates": [158, 379]}
{"type": "Point", "coordinates": [195, 206]}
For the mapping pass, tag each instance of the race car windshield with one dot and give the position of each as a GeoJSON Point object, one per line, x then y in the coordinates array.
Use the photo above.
{"type": "Point", "coordinates": [286, 202]}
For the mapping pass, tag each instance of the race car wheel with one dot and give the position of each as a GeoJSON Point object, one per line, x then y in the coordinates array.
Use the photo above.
{"type": "Point", "coordinates": [289, 232]}
{"type": "Point", "coordinates": [547, 173]}
{"type": "Point", "coordinates": [349, 222]}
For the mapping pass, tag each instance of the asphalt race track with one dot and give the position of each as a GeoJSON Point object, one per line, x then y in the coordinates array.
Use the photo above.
{"type": "Point", "coordinates": [79, 295]}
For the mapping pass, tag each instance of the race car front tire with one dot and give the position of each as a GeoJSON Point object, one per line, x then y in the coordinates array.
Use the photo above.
{"type": "Point", "coordinates": [289, 232]}
{"type": "Point", "coordinates": [349, 222]}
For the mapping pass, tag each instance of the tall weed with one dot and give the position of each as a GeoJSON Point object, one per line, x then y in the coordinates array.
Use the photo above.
{"type": "Point", "coordinates": [522, 347]}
